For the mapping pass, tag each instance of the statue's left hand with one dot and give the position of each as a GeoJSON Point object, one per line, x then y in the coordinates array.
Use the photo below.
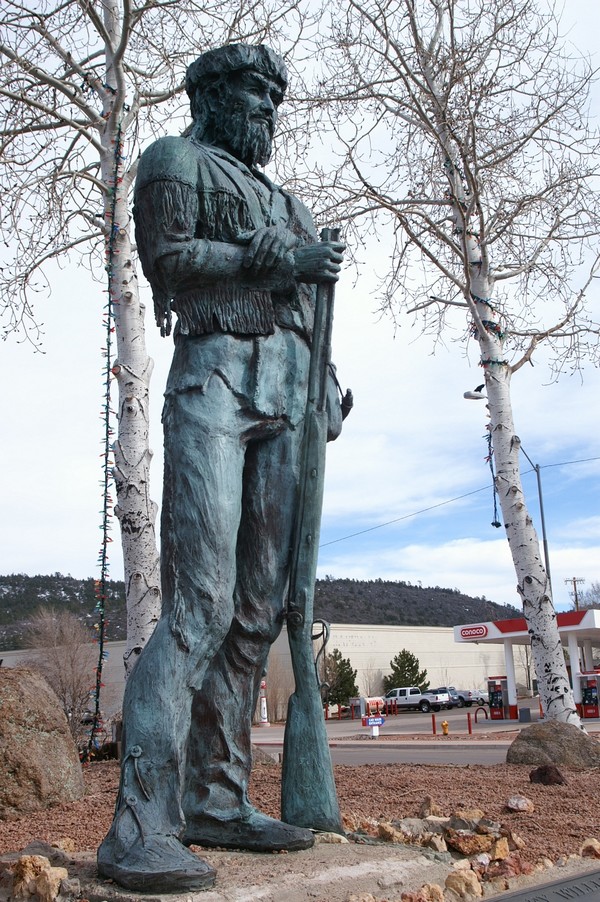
{"type": "Point", "coordinates": [319, 263]}
{"type": "Point", "coordinates": [268, 248]}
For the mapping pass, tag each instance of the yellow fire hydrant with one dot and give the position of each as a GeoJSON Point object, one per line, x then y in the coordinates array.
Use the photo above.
{"type": "Point", "coordinates": [445, 727]}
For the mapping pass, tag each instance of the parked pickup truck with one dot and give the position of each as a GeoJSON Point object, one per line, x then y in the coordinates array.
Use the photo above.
{"type": "Point", "coordinates": [463, 698]}
{"type": "Point", "coordinates": [410, 698]}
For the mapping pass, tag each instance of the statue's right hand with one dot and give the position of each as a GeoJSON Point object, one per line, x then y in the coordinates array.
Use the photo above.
{"type": "Point", "coordinates": [267, 248]}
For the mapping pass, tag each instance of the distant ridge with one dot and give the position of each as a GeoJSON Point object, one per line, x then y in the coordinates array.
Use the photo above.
{"type": "Point", "coordinates": [378, 602]}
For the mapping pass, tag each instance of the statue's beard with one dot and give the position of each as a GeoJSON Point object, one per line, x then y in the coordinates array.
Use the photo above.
{"type": "Point", "coordinates": [248, 139]}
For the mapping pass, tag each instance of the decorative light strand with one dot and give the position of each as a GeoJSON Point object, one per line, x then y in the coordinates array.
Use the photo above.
{"type": "Point", "coordinates": [101, 584]}
{"type": "Point", "coordinates": [486, 301]}
{"type": "Point", "coordinates": [488, 361]}
{"type": "Point", "coordinates": [490, 460]}
{"type": "Point", "coordinates": [490, 326]}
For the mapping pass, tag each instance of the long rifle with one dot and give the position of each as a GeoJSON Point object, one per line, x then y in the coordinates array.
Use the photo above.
{"type": "Point", "coordinates": [308, 794]}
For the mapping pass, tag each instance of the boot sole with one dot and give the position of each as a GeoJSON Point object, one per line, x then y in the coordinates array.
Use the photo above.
{"type": "Point", "coordinates": [222, 842]}
{"type": "Point", "coordinates": [164, 882]}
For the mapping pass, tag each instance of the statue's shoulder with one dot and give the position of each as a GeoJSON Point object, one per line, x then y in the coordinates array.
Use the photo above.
{"type": "Point", "coordinates": [170, 158]}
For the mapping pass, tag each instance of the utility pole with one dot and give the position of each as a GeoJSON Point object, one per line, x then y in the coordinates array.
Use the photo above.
{"type": "Point", "coordinates": [573, 594]}
{"type": "Point", "coordinates": [536, 468]}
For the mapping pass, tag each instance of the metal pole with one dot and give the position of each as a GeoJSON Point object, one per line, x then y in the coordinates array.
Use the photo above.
{"type": "Point", "coordinates": [544, 538]}
{"type": "Point", "coordinates": [536, 467]}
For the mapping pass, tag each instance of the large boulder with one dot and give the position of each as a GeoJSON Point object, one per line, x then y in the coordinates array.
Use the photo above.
{"type": "Point", "coordinates": [39, 764]}
{"type": "Point", "coordinates": [554, 742]}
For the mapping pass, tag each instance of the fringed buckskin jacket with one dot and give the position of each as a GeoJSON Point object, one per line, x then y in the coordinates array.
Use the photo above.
{"type": "Point", "coordinates": [191, 201]}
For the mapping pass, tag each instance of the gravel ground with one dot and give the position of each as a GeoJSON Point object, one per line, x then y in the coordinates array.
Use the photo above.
{"type": "Point", "coordinates": [563, 817]}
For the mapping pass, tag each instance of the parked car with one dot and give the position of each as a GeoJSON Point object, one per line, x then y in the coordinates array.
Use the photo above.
{"type": "Point", "coordinates": [455, 700]}
{"type": "Point", "coordinates": [450, 691]}
{"type": "Point", "coordinates": [410, 698]}
{"type": "Point", "coordinates": [465, 698]}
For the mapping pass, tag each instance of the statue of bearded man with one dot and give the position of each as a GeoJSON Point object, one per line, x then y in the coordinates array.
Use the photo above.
{"type": "Point", "coordinates": [237, 259]}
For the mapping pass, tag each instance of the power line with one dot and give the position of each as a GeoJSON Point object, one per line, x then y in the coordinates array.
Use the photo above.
{"type": "Point", "coordinates": [425, 510]}
{"type": "Point", "coordinates": [582, 460]}
{"type": "Point", "coordinates": [405, 517]}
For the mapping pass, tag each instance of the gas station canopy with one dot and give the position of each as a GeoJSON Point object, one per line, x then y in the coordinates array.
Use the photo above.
{"type": "Point", "coordinates": [585, 624]}
{"type": "Point", "coordinates": [578, 630]}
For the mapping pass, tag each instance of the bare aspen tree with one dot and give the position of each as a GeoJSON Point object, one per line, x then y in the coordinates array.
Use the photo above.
{"type": "Point", "coordinates": [64, 655]}
{"type": "Point", "coordinates": [463, 142]}
{"type": "Point", "coordinates": [82, 85]}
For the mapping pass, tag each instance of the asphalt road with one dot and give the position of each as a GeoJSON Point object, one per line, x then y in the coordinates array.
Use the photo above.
{"type": "Point", "coordinates": [376, 753]}
{"type": "Point", "coordinates": [405, 748]}
{"type": "Point", "coordinates": [410, 743]}
{"type": "Point", "coordinates": [382, 752]}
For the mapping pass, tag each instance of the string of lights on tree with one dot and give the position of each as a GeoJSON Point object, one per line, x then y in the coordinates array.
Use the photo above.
{"type": "Point", "coordinates": [101, 584]}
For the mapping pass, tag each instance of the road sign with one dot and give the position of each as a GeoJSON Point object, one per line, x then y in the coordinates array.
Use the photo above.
{"type": "Point", "coordinates": [373, 721]}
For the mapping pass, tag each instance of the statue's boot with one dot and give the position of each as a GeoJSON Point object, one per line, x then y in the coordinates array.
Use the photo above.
{"type": "Point", "coordinates": [154, 863]}
{"type": "Point", "coordinates": [218, 762]}
{"type": "Point", "coordinates": [247, 829]}
{"type": "Point", "coordinates": [141, 850]}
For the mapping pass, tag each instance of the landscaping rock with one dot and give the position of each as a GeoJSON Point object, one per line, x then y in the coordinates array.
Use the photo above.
{"type": "Point", "coordinates": [33, 875]}
{"type": "Point", "coordinates": [514, 840]}
{"type": "Point", "coordinates": [411, 827]}
{"type": "Point", "coordinates": [485, 825]}
{"type": "Point", "coordinates": [429, 892]}
{"type": "Point", "coordinates": [554, 743]}
{"type": "Point", "coordinates": [330, 838]}
{"type": "Point", "coordinates": [590, 848]}
{"type": "Point", "coordinates": [547, 774]}
{"type": "Point", "coordinates": [520, 803]}
{"type": "Point", "coordinates": [389, 833]}
{"type": "Point", "coordinates": [511, 866]}
{"type": "Point", "coordinates": [430, 807]}
{"type": "Point", "coordinates": [500, 849]}
{"type": "Point", "coordinates": [461, 821]}
{"type": "Point", "coordinates": [38, 757]}
{"type": "Point", "coordinates": [468, 843]}
{"type": "Point", "coordinates": [437, 843]}
{"type": "Point", "coordinates": [435, 824]}
{"type": "Point", "coordinates": [465, 884]}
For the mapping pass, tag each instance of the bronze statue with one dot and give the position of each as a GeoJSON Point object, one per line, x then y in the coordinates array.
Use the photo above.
{"type": "Point", "coordinates": [237, 259]}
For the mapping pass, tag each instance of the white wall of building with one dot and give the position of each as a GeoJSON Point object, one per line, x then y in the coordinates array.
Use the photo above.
{"type": "Point", "coordinates": [369, 648]}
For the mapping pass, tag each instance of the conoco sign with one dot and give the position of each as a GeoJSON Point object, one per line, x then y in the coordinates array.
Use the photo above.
{"type": "Point", "coordinates": [473, 632]}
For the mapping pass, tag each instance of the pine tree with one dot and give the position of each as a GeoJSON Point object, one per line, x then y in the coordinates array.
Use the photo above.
{"type": "Point", "coordinates": [340, 677]}
{"type": "Point", "coordinates": [405, 672]}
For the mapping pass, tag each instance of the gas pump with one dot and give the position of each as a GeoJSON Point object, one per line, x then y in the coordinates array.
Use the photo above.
{"type": "Point", "coordinates": [590, 684]}
{"type": "Point", "coordinates": [498, 694]}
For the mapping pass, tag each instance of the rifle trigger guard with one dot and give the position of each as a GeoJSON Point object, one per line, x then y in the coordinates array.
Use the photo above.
{"type": "Point", "coordinates": [295, 618]}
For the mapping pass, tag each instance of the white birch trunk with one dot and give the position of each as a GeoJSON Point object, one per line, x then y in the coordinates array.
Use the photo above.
{"type": "Point", "coordinates": [533, 584]}
{"type": "Point", "coordinates": [532, 581]}
{"type": "Point", "coordinates": [132, 368]}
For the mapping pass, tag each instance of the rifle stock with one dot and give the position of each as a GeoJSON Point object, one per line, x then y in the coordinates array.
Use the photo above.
{"type": "Point", "coordinates": [308, 793]}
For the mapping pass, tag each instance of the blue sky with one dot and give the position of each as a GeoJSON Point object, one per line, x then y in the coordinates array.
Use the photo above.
{"type": "Point", "coordinates": [411, 443]}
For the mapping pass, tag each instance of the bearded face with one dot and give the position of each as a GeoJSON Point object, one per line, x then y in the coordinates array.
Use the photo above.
{"type": "Point", "coordinates": [239, 115]}
{"type": "Point", "coordinates": [247, 136]}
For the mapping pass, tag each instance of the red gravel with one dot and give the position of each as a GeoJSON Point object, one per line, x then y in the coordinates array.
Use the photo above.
{"type": "Point", "coordinates": [563, 817]}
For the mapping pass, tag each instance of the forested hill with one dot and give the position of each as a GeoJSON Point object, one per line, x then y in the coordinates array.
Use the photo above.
{"type": "Point", "coordinates": [379, 601]}
{"type": "Point", "coordinates": [336, 600]}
